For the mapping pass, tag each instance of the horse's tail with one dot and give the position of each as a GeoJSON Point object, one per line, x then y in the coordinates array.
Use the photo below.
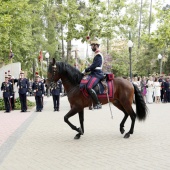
{"type": "Point", "coordinates": [141, 108]}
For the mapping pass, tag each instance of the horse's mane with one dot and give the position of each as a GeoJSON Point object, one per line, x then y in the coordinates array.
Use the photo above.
{"type": "Point", "coordinates": [73, 74]}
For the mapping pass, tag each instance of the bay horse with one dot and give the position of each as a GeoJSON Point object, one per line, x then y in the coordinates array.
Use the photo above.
{"type": "Point", "coordinates": [123, 96]}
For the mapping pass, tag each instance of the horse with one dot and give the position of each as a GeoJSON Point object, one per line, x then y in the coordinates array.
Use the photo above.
{"type": "Point", "coordinates": [123, 96]}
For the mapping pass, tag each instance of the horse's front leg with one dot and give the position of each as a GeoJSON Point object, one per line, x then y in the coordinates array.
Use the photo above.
{"type": "Point", "coordinates": [71, 113]}
{"type": "Point", "coordinates": [81, 119]}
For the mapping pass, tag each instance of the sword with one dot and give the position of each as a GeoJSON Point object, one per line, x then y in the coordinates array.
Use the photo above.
{"type": "Point", "coordinates": [109, 102]}
{"type": "Point", "coordinates": [9, 101]}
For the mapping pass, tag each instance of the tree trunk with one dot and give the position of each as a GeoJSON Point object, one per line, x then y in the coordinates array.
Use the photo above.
{"type": "Point", "coordinates": [150, 17]}
{"type": "Point", "coordinates": [62, 43]}
{"type": "Point", "coordinates": [68, 50]}
{"type": "Point", "coordinates": [140, 20]}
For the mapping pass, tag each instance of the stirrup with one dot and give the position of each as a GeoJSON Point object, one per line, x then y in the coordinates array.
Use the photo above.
{"type": "Point", "coordinates": [97, 106]}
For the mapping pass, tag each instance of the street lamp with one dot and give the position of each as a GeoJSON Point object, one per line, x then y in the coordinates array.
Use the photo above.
{"type": "Point", "coordinates": [47, 55]}
{"type": "Point", "coordinates": [160, 61]}
{"type": "Point", "coordinates": [130, 45]}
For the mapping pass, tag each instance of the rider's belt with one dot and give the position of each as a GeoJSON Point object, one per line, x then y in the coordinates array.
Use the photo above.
{"type": "Point", "coordinates": [98, 68]}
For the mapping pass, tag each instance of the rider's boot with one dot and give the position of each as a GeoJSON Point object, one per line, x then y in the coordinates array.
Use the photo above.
{"type": "Point", "coordinates": [95, 99]}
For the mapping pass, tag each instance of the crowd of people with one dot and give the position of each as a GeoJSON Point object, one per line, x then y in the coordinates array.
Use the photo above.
{"type": "Point", "coordinates": [154, 88]}
{"type": "Point", "coordinates": [25, 88]}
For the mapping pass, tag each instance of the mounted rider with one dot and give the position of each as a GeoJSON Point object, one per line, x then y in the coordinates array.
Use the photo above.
{"type": "Point", "coordinates": [96, 72]}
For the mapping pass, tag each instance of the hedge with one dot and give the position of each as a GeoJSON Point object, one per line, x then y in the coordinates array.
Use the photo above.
{"type": "Point", "coordinates": [17, 104]}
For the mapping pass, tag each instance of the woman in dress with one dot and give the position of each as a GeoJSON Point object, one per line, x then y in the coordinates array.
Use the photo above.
{"type": "Point", "coordinates": [150, 90]}
{"type": "Point", "coordinates": [157, 90]}
{"type": "Point", "coordinates": [139, 82]}
{"type": "Point", "coordinates": [136, 82]}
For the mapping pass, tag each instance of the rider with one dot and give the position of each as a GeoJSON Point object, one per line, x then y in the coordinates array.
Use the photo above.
{"type": "Point", "coordinates": [96, 72]}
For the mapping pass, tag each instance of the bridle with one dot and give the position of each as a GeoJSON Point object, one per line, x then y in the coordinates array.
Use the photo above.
{"type": "Point", "coordinates": [52, 82]}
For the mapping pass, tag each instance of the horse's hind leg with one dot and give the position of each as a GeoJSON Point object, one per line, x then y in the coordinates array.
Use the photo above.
{"type": "Point", "coordinates": [81, 119]}
{"type": "Point", "coordinates": [122, 130]}
{"type": "Point", "coordinates": [128, 110]}
{"type": "Point", "coordinates": [133, 118]}
{"type": "Point", "coordinates": [120, 107]}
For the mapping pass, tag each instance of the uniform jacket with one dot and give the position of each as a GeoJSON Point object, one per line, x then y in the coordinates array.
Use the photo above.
{"type": "Point", "coordinates": [57, 89]}
{"type": "Point", "coordinates": [23, 85]}
{"type": "Point", "coordinates": [97, 62]}
{"type": "Point", "coordinates": [167, 86]}
{"type": "Point", "coordinates": [7, 89]}
{"type": "Point", "coordinates": [38, 88]}
{"type": "Point", "coordinates": [13, 81]}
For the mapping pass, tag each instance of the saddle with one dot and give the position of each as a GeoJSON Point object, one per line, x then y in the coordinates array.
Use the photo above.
{"type": "Point", "coordinates": [102, 88]}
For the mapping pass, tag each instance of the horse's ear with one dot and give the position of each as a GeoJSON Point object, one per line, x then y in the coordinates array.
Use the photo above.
{"type": "Point", "coordinates": [53, 61]}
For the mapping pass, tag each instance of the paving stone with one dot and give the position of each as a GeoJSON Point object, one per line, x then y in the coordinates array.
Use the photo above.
{"type": "Point", "coordinates": [43, 141]}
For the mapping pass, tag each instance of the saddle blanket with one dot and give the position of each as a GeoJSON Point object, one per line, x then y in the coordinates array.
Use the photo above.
{"type": "Point", "coordinates": [99, 88]}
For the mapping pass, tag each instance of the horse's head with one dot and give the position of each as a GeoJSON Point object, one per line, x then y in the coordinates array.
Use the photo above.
{"type": "Point", "coordinates": [57, 70]}
{"type": "Point", "coordinates": [53, 73]}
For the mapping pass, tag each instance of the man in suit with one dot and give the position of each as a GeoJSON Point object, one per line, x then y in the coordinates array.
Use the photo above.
{"type": "Point", "coordinates": [162, 81]}
{"type": "Point", "coordinates": [6, 88]}
{"type": "Point", "coordinates": [55, 91]}
{"type": "Point", "coordinates": [23, 87]}
{"type": "Point", "coordinates": [167, 90]}
{"type": "Point", "coordinates": [38, 89]}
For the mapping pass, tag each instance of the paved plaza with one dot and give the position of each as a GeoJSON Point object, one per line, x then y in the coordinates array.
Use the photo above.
{"type": "Point", "coordinates": [43, 141]}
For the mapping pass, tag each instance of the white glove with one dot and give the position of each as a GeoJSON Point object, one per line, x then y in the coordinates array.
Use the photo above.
{"type": "Point", "coordinates": [34, 90]}
{"type": "Point", "coordinates": [42, 95]}
{"type": "Point", "coordinates": [11, 96]}
{"type": "Point", "coordinates": [26, 93]}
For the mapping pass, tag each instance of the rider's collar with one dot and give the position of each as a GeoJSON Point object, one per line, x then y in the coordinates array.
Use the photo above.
{"type": "Point", "coordinates": [97, 51]}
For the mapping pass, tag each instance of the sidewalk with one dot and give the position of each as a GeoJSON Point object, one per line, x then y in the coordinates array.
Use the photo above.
{"type": "Point", "coordinates": [43, 141]}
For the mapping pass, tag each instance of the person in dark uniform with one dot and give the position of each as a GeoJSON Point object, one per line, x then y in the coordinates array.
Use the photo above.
{"type": "Point", "coordinates": [38, 89]}
{"type": "Point", "coordinates": [43, 81]}
{"type": "Point", "coordinates": [23, 86]}
{"type": "Point", "coordinates": [96, 72]}
{"type": "Point", "coordinates": [55, 91]}
{"type": "Point", "coordinates": [167, 90]}
{"type": "Point", "coordinates": [12, 80]}
{"type": "Point", "coordinates": [6, 88]}
{"type": "Point", "coordinates": [161, 80]}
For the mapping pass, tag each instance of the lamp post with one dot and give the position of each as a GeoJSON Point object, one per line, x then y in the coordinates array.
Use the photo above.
{"type": "Point", "coordinates": [47, 55]}
{"type": "Point", "coordinates": [160, 61]}
{"type": "Point", "coordinates": [130, 45]}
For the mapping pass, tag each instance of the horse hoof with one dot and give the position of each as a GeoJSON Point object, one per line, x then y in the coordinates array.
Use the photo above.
{"type": "Point", "coordinates": [122, 131]}
{"type": "Point", "coordinates": [80, 130]}
{"type": "Point", "coordinates": [77, 136]}
{"type": "Point", "coordinates": [127, 135]}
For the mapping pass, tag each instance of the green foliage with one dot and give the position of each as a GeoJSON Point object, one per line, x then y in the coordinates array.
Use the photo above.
{"type": "Point", "coordinates": [17, 104]}
{"type": "Point", "coordinates": [32, 25]}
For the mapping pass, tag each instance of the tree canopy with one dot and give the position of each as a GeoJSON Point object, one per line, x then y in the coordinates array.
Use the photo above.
{"type": "Point", "coordinates": [30, 26]}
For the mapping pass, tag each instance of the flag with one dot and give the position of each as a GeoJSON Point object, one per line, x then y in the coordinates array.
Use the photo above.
{"type": "Point", "coordinates": [40, 57]}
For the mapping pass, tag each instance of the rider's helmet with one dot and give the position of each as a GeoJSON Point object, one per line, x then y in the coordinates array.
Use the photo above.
{"type": "Point", "coordinates": [95, 41]}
